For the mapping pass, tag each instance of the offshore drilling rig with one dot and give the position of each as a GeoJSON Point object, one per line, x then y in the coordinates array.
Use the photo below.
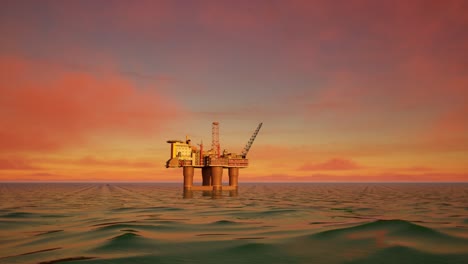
{"type": "Point", "coordinates": [211, 162]}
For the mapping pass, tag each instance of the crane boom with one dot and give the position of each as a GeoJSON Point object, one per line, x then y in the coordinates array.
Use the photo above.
{"type": "Point", "coordinates": [249, 144]}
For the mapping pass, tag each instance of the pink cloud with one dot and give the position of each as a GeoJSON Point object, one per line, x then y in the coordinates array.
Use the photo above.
{"type": "Point", "coordinates": [235, 18]}
{"type": "Point", "coordinates": [380, 177]}
{"type": "Point", "coordinates": [92, 161]}
{"type": "Point", "coordinates": [451, 124]}
{"type": "Point", "coordinates": [332, 164]}
{"type": "Point", "coordinates": [417, 169]}
{"type": "Point", "coordinates": [45, 107]}
{"type": "Point", "coordinates": [16, 163]}
{"type": "Point", "coordinates": [142, 17]}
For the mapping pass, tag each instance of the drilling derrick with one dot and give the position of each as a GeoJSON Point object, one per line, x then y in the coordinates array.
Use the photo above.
{"type": "Point", "coordinates": [215, 139]}
{"type": "Point", "coordinates": [212, 162]}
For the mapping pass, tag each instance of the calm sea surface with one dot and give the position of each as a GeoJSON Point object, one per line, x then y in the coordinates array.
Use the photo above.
{"type": "Point", "coordinates": [264, 223]}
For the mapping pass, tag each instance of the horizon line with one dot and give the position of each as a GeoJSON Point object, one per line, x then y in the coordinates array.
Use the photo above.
{"type": "Point", "coordinates": [178, 182]}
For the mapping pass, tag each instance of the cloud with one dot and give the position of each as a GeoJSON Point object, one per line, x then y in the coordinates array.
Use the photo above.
{"type": "Point", "coordinates": [16, 163]}
{"type": "Point", "coordinates": [92, 161]}
{"type": "Point", "coordinates": [380, 177]}
{"type": "Point", "coordinates": [416, 169]}
{"type": "Point", "coordinates": [234, 18]}
{"type": "Point", "coordinates": [387, 57]}
{"type": "Point", "coordinates": [277, 153]}
{"type": "Point", "coordinates": [45, 107]}
{"type": "Point", "coordinates": [451, 124]}
{"type": "Point", "coordinates": [332, 164]}
{"type": "Point", "coordinates": [36, 177]}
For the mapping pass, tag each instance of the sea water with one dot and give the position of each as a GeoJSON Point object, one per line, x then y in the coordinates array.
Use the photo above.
{"type": "Point", "coordinates": [262, 223]}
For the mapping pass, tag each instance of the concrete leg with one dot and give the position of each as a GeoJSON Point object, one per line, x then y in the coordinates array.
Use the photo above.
{"type": "Point", "coordinates": [206, 175]}
{"type": "Point", "coordinates": [233, 176]}
{"type": "Point", "coordinates": [188, 177]}
{"type": "Point", "coordinates": [217, 178]}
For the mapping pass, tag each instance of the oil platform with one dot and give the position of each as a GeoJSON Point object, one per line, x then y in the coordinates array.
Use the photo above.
{"type": "Point", "coordinates": [211, 162]}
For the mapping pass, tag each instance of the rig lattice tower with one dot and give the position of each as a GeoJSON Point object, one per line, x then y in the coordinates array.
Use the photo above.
{"type": "Point", "coordinates": [215, 139]}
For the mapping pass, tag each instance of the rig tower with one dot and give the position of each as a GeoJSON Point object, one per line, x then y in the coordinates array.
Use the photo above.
{"type": "Point", "coordinates": [211, 162]}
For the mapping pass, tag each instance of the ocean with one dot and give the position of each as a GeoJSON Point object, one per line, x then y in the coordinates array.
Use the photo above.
{"type": "Point", "coordinates": [261, 223]}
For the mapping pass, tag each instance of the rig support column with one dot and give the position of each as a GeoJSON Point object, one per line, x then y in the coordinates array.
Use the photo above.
{"type": "Point", "coordinates": [188, 177]}
{"type": "Point", "coordinates": [217, 178]}
{"type": "Point", "coordinates": [206, 175]}
{"type": "Point", "coordinates": [233, 176]}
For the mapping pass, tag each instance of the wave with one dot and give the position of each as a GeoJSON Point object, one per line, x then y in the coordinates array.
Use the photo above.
{"type": "Point", "coordinates": [19, 215]}
{"type": "Point", "coordinates": [226, 222]}
{"type": "Point", "coordinates": [127, 241]}
{"type": "Point", "coordinates": [135, 226]}
{"type": "Point", "coordinates": [65, 260]}
{"type": "Point", "coordinates": [406, 255]}
{"type": "Point", "coordinates": [314, 224]}
{"type": "Point", "coordinates": [395, 228]}
{"type": "Point", "coordinates": [374, 240]}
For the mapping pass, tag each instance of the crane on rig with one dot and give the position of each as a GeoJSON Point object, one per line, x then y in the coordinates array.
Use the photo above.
{"type": "Point", "coordinates": [246, 149]}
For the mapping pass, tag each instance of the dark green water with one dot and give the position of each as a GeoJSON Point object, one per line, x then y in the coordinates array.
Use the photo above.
{"type": "Point", "coordinates": [264, 223]}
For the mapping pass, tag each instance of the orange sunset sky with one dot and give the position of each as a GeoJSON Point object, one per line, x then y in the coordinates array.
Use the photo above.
{"type": "Point", "coordinates": [347, 90]}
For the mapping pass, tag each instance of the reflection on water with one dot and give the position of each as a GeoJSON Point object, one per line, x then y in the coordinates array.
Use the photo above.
{"type": "Point", "coordinates": [189, 194]}
{"type": "Point", "coordinates": [264, 223]}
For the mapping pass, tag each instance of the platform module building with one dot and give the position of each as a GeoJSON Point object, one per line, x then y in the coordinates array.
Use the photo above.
{"type": "Point", "coordinates": [211, 162]}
